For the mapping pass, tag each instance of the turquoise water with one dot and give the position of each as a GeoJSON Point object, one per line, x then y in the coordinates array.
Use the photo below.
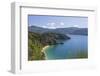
{"type": "Point", "coordinates": [76, 47]}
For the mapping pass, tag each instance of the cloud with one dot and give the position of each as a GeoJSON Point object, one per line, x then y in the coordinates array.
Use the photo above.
{"type": "Point", "coordinates": [61, 23]}
{"type": "Point", "coordinates": [44, 26]}
{"type": "Point", "coordinates": [54, 25]}
{"type": "Point", "coordinates": [51, 25]}
{"type": "Point", "coordinates": [75, 25]}
{"type": "Point", "coordinates": [48, 24]}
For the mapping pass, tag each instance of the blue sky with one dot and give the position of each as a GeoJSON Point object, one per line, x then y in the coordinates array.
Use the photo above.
{"type": "Point", "coordinates": [53, 22]}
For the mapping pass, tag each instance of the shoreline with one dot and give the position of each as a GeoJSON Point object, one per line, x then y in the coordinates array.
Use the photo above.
{"type": "Point", "coordinates": [44, 48]}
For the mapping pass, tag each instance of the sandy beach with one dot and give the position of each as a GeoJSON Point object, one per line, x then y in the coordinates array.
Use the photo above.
{"type": "Point", "coordinates": [44, 48]}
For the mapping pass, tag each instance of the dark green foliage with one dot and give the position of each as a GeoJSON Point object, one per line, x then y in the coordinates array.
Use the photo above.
{"type": "Point", "coordinates": [50, 38]}
{"type": "Point", "coordinates": [34, 47]}
{"type": "Point", "coordinates": [37, 41]}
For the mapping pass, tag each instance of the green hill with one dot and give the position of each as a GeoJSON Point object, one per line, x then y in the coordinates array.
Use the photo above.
{"type": "Point", "coordinates": [37, 41]}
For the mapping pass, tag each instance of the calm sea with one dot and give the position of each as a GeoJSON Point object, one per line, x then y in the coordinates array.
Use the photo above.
{"type": "Point", "coordinates": [76, 47]}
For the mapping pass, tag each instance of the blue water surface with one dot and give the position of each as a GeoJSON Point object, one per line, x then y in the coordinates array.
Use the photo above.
{"type": "Point", "coordinates": [70, 48]}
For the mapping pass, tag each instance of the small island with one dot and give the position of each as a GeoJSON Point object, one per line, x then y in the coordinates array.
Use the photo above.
{"type": "Point", "coordinates": [38, 41]}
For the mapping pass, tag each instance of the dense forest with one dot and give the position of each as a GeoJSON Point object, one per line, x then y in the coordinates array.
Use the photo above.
{"type": "Point", "coordinates": [36, 41]}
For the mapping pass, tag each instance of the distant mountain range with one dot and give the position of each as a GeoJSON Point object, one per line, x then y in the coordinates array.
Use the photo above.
{"type": "Point", "coordinates": [69, 30]}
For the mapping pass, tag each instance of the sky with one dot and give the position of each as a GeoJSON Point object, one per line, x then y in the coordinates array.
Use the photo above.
{"type": "Point", "coordinates": [53, 22]}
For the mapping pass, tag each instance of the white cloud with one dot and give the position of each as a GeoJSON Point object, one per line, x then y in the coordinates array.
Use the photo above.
{"type": "Point", "coordinates": [61, 23]}
{"type": "Point", "coordinates": [75, 25]}
{"type": "Point", "coordinates": [48, 23]}
{"type": "Point", "coordinates": [51, 25]}
{"type": "Point", "coordinates": [44, 26]}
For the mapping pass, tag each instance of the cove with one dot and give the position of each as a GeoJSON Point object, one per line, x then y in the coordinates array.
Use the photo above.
{"type": "Point", "coordinates": [76, 47]}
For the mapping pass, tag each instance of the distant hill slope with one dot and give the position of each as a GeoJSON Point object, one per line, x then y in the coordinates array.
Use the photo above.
{"type": "Point", "coordinates": [70, 30]}
{"type": "Point", "coordinates": [82, 31]}
{"type": "Point", "coordinates": [37, 29]}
